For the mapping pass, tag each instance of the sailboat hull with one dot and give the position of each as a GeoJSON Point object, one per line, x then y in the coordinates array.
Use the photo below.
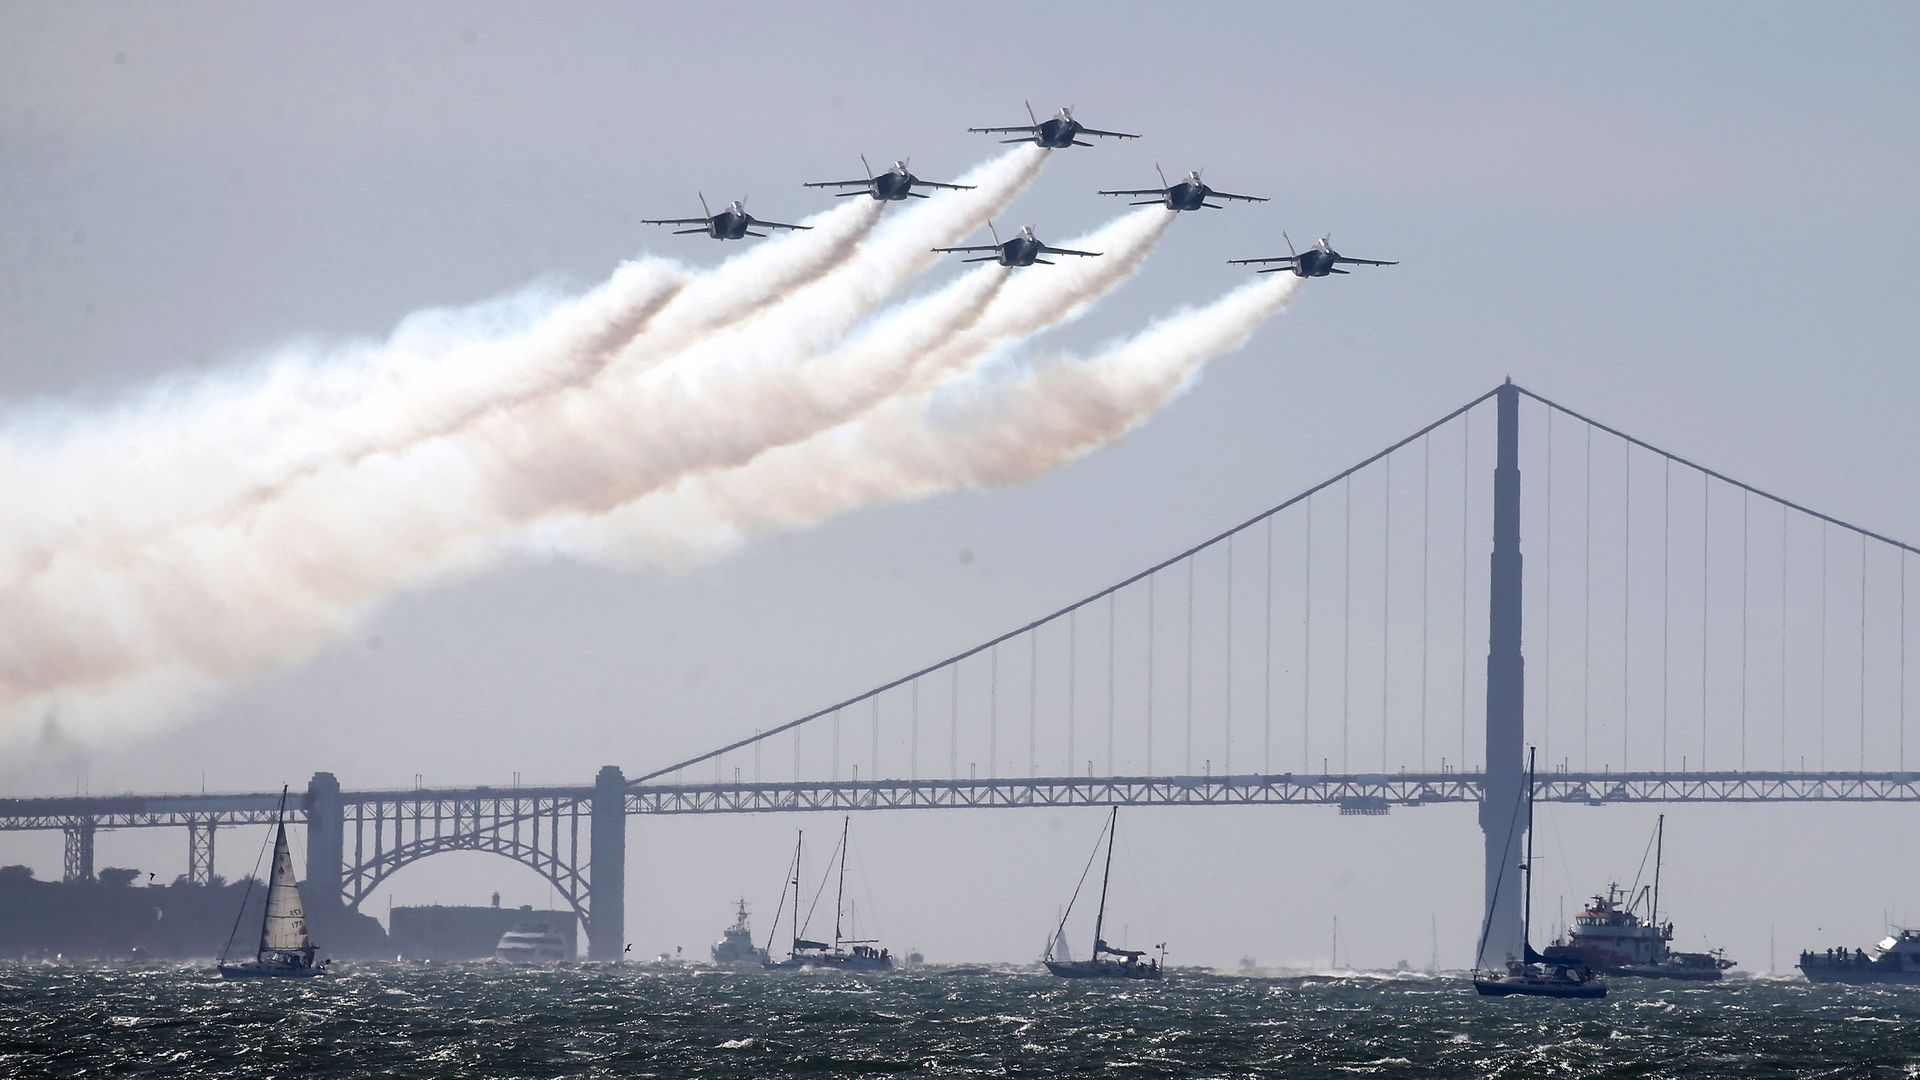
{"type": "Point", "coordinates": [1101, 969]}
{"type": "Point", "coordinates": [269, 971]}
{"type": "Point", "coordinates": [1512, 985]}
{"type": "Point", "coordinates": [832, 962]}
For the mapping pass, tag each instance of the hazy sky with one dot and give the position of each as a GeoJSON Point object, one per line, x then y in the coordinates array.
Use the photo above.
{"type": "Point", "coordinates": [1693, 223]}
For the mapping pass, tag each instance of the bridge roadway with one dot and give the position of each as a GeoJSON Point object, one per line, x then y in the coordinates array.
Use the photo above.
{"type": "Point", "coordinates": [479, 807]}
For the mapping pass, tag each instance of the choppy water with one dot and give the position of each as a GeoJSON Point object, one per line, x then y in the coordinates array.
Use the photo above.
{"type": "Point", "coordinates": [485, 1021]}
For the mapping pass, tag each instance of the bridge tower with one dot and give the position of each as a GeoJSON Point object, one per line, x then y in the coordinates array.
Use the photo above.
{"type": "Point", "coordinates": [326, 844]}
{"type": "Point", "coordinates": [607, 857]}
{"type": "Point", "coordinates": [1506, 695]}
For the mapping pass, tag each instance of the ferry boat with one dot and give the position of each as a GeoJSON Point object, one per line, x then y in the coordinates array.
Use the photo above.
{"type": "Point", "coordinates": [1611, 935]}
{"type": "Point", "coordinates": [1895, 960]}
{"type": "Point", "coordinates": [531, 943]}
{"type": "Point", "coordinates": [1558, 973]}
{"type": "Point", "coordinates": [286, 951]}
{"type": "Point", "coordinates": [1105, 961]}
{"type": "Point", "coordinates": [735, 947]}
{"type": "Point", "coordinates": [845, 953]}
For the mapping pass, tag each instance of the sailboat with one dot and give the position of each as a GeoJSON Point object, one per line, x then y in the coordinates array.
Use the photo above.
{"type": "Point", "coordinates": [1105, 961]}
{"type": "Point", "coordinates": [285, 952]}
{"type": "Point", "coordinates": [845, 953]}
{"type": "Point", "coordinates": [1560, 973]}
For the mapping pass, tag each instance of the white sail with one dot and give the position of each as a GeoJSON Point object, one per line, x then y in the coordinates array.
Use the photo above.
{"type": "Point", "coordinates": [1060, 950]}
{"type": "Point", "coordinates": [285, 927]}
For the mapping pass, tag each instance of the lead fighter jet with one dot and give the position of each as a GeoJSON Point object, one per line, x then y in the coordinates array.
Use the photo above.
{"type": "Point", "coordinates": [1317, 261]}
{"type": "Point", "coordinates": [1056, 133]}
{"type": "Point", "coordinates": [894, 185]}
{"type": "Point", "coordinates": [1023, 250]}
{"type": "Point", "coordinates": [1188, 194]}
{"type": "Point", "coordinates": [732, 223]}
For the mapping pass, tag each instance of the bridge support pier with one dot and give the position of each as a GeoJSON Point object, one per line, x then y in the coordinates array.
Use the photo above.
{"type": "Point", "coordinates": [1500, 824]}
{"type": "Point", "coordinates": [200, 852]}
{"type": "Point", "coordinates": [326, 846]}
{"type": "Point", "coordinates": [79, 861]}
{"type": "Point", "coordinates": [607, 859]}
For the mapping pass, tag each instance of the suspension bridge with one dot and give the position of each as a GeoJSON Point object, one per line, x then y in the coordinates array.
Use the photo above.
{"type": "Point", "coordinates": [1696, 639]}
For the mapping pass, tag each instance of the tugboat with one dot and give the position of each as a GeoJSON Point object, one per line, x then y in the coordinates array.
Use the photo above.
{"type": "Point", "coordinates": [1105, 961]}
{"type": "Point", "coordinates": [1610, 935]}
{"type": "Point", "coordinates": [735, 947]}
{"type": "Point", "coordinates": [1895, 960]}
{"type": "Point", "coordinates": [285, 952]}
{"type": "Point", "coordinates": [806, 953]}
{"type": "Point", "coordinates": [1560, 973]}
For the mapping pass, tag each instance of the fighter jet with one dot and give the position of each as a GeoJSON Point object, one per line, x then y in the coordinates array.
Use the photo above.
{"type": "Point", "coordinates": [732, 223]}
{"type": "Point", "coordinates": [1188, 194]}
{"type": "Point", "coordinates": [1023, 250]}
{"type": "Point", "coordinates": [1318, 261]}
{"type": "Point", "coordinates": [1056, 133]}
{"type": "Point", "coordinates": [894, 185]}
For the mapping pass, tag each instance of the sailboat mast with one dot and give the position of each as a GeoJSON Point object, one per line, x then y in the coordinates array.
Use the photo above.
{"type": "Point", "coordinates": [1659, 842]}
{"type": "Point", "coordinates": [794, 945]}
{"type": "Point", "coordinates": [1113, 824]}
{"type": "Point", "coordinates": [1526, 920]}
{"type": "Point", "coordinates": [840, 892]}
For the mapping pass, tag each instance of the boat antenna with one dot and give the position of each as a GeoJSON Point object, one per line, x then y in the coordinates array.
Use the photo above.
{"type": "Point", "coordinates": [1526, 919]}
{"type": "Point", "coordinates": [1113, 826]}
{"type": "Point", "coordinates": [1659, 843]}
{"type": "Point", "coordinates": [251, 877]}
{"type": "Point", "coordinates": [840, 892]}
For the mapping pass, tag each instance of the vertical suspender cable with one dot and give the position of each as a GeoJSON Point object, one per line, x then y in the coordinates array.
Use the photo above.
{"type": "Point", "coordinates": [1546, 619]}
{"type": "Point", "coordinates": [833, 770]}
{"type": "Point", "coordinates": [1266, 728]}
{"type": "Point", "coordinates": [1785, 519]}
{"type": "Point", "coordinates": [1863, 652]}
{"type": "Point", "coordinates": [1745, 559]}
{"type": "Point", "coordinates": [1903, 660]}
{"type": "Point", "coordinates": [913, 739]}
{"type": "Point", "coordinates": [1386, 608]}
{"type": "Point", "coordinates": [1073, 669]}
{"type": "Point", "coordinates": [1189, 745]}
{"type": "Point", "coordinates": [873, 765]}
{"type": "Point", "coordinates": [1033, 703]}
{"type": "Point", "coordinates": [1151, 579]}
{"type": "Point", "coordinates": [953, 722]}
{"type": "Point", "coordinates": [1346, 626]}
{"type": "Point", "coordinates": [1626, 606]}
{"type": "Point", "coordinates": [1823, 646]}
{"type": "Point", "coordinates": [1466, 507]}
{"type": "Point", "coordinates": [1666, 596]}
{"type": "Point", "coordinates": [1111, 599]}
{"type": "Point", "coordinates": [1226, 718]}
{"type": "Point", "coordinates": [1426, 567]}
{"type": "Point", "coordinates": [1306, 651]}
{"type": "Point", "coordinates": [1586, 632]}
{"type": "Point", "coordinates": [1706, 601]}
{"type": "Point", "coordinates": [993, 711]}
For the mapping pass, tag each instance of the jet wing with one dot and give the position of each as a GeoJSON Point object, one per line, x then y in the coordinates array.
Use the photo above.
{"type": "Point", "coordinates": [1105, 134]}
{"type": "Point", "coordinates": [951, 187]}
{"type": "Point", "coordinates": [1135, 191]}
{"type": "Point", "coordinates": [1028, 128]}
{"type": "Point", "coordinates": [675, 221]}
{"type": "Point", "coordinates": [1274, 259]}
{"type": "Point", "coordinates": [838, 183]}
{"type": "Point", "coordinates": [1045, 250]}
{"type": "Point", "coordinates": [1242, 198]}
{"type": "Point", "coordinates": [1368, 262]}
{"type": "Point", "coordinates": [777, 225]}
{"type": "Point", "coordinates": [975, 247]}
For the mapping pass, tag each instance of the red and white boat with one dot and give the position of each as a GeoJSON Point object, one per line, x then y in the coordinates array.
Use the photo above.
{"type": "Point", "coordinates": [1611, 935]}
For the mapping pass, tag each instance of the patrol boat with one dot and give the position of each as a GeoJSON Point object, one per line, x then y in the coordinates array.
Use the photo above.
{"type": "Point", "coordinates": [1105, 961]}
{"type": "Point", "coordinates": [285, 952]}
{"type": "Point", "coordinates": [1560, 972]}
{"type": "Point", "coordinates": [735, 947]}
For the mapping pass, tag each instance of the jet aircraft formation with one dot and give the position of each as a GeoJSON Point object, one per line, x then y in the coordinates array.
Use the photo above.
{"type": "Point", "coordinates": [1057, 132]}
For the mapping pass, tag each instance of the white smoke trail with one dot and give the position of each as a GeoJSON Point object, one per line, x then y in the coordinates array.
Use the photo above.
{"type": "Point", "coordinates": [219, 598]}
{"type": "Point", "coordinates": [976, 430]}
